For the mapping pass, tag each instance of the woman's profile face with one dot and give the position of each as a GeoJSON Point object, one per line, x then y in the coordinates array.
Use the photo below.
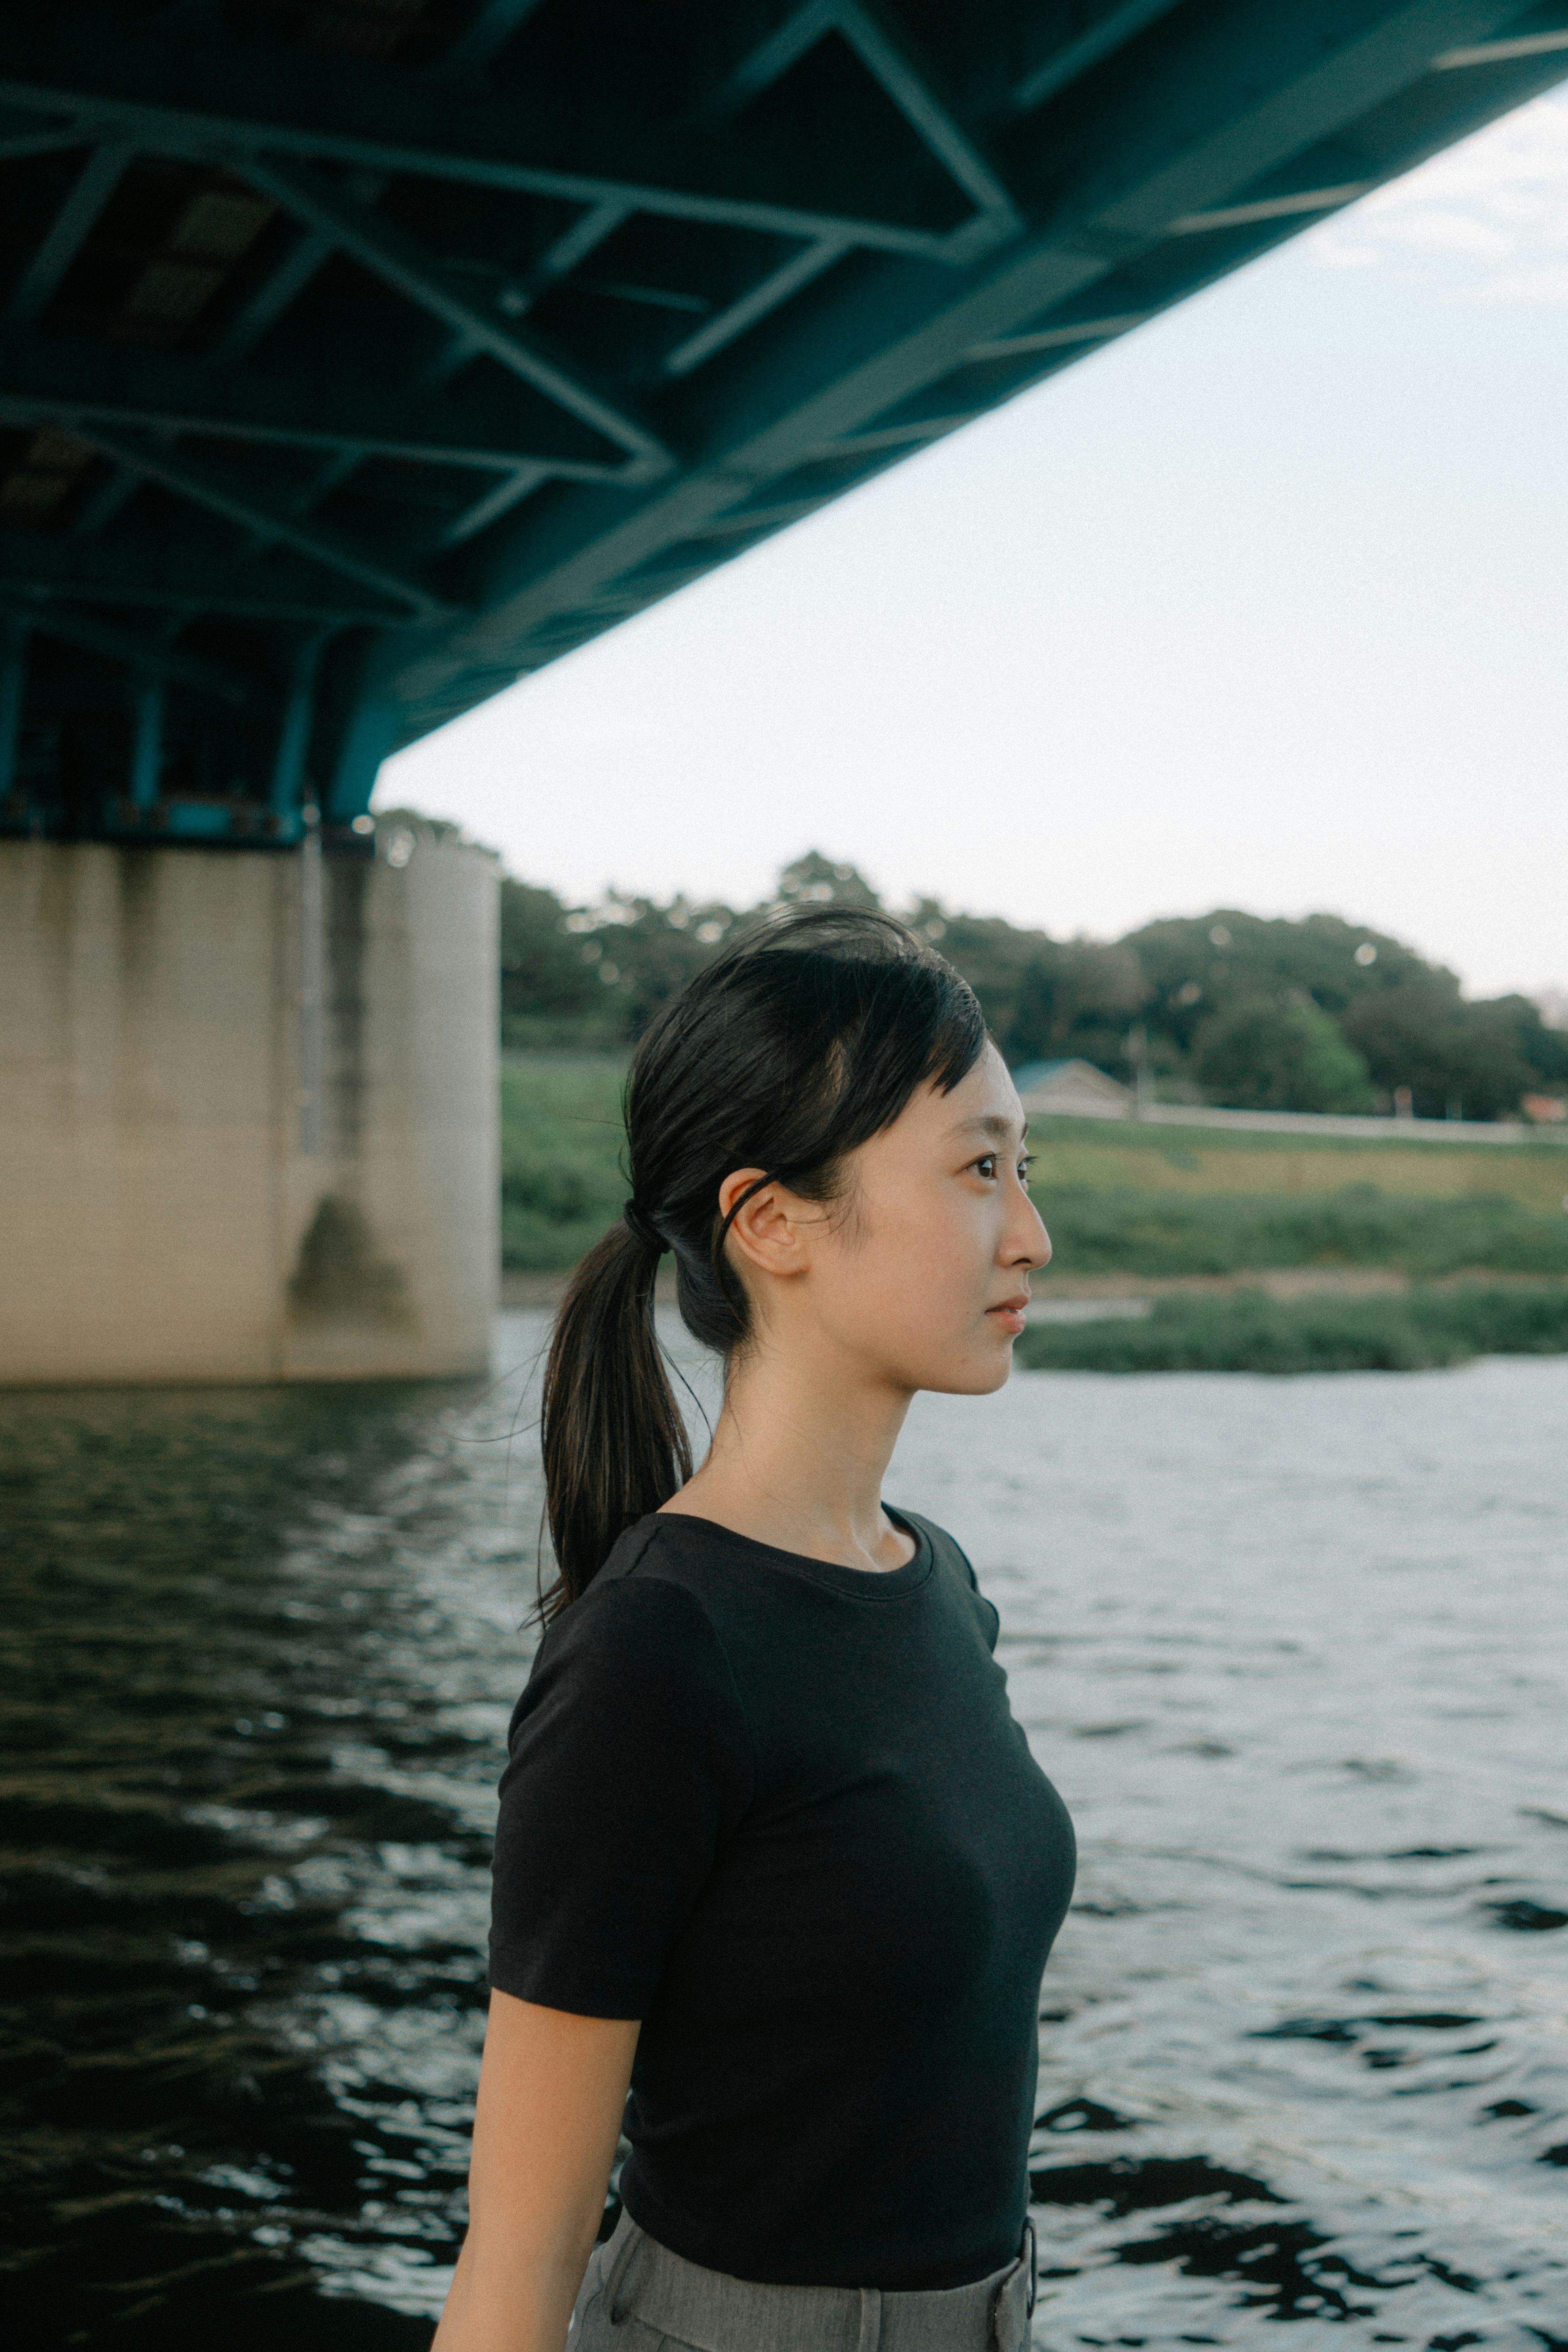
{"type": "Point", "coordinates": [921, 1271]}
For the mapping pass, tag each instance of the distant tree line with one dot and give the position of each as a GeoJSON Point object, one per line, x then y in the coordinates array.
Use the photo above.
{"type": "Point", "coordinates": [1226, 1007]}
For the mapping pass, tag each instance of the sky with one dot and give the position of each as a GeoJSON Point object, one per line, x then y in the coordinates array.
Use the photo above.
{"type": "Point", "coordinates": [1262, 606]}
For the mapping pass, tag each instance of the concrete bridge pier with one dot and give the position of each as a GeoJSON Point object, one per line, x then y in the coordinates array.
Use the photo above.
{"type": "Point", "coordinates": [204, 1176]}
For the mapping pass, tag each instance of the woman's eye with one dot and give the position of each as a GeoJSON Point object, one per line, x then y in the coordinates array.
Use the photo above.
{"type": "Point", "coordinates": [988, 1165]}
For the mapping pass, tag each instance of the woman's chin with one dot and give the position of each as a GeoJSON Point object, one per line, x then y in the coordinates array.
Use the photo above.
{"type": "Point", "coordinates": [975, 1373]}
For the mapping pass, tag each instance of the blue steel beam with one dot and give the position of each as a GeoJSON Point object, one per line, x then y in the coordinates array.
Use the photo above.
{"type": "Point", "coordinates": [23, 134]}
{"type": "Point", "coordinates": [1504, 52]}
{"type": "Point", "coordinates": [1212, 105]}
{"type": "Point", "coordinates": [911, 85]}
{"type": "Point", "coordinates": [288, 782]}
{"type": "Point", "coordinates": [62, 574]}
{"type": "Point", "coordinates": [289, 406]}
{"type": "Point", "coordinates": [574, 246]}
{"type": "Point", "coordinates": [353, 228]}
{"type": "Point", "coordinates": [371, 734]}
{"type": "Point", "coordinates": [876, 235]}
{"type": "Point", "coordinates": [277, 294]}
{"type": "Point", "coordinates": [489, 30]}
{"type": "Point", "coordinates": [147, 746]}
{"type": "Point", "coordinates": [73, 223]}
{"type": "Point", "coordinates": [513, 298]}
{"type": "Point", "coordinates": [491, 507]}
{"type": "Point", "coordinates": [754, 66]}
{"type": "Point", "coordinates": [780, 286]}
{"type": "Point", "coordinates": [592, 225]}
{"type": "Point", "coordinates": [263, 310]}
{"type": "Point", "coordinates": [98, 510]}
{"type": "Point", "coordinates": [145, 658]}
{"type": "Point", "coordinates": [1299, 203]}
{"type": "Point", "coordinates": [13, 691]}
{"type": "Point", "coordinates": [222, 103]}
{"type": "Point", "coordinates": [1051, 62]}
{"type": "Point", "coordinates": [154, 463]}
{"type": "Point", "coordinates": [1181, 134]}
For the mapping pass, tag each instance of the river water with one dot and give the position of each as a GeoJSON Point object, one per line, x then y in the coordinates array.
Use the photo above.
{"type": "Point", "coordinates": [1294, 1651]}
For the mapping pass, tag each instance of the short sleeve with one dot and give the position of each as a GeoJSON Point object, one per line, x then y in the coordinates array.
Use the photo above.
{"type": "Point", "coordinates": [630, 1762]}
{"type": "Point", "coordinates": [989, 1617]}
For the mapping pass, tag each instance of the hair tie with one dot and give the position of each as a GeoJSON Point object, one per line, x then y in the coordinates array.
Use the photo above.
{"type": "Point", "coordinates": [638, 1223]}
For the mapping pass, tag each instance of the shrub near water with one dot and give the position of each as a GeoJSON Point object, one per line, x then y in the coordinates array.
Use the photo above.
{"type": "Point", "coordinates": [561, 1179]}
{"type": "Point", "coordinates": [1247, 1332]}
{"type": "Point", "coordinates": [1105, 1230]}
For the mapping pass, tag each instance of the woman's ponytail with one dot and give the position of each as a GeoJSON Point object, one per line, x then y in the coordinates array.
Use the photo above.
{"type": "Point", "coordinates": [614, 1443]}
{"type": "Point", "coordinates": [798, 1043]}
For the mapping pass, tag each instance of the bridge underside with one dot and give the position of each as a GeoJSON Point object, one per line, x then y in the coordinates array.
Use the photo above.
{"type": "Point", "coordinates": [362, 356]}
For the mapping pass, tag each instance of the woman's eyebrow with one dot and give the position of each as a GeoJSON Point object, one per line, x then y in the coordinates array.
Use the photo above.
{"type": "Point", "coordinates": [991, 1123]}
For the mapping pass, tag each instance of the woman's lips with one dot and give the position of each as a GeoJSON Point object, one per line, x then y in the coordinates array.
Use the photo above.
{"type": "Point", "coordinates": [1009, 1314]}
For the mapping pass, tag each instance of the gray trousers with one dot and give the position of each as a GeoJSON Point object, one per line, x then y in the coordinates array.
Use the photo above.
{"type": "Point", "coordinates": [637, 2296]}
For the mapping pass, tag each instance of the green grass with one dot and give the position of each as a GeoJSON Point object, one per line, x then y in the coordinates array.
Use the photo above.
{"type": "Point", "coordinates": [1245, 1332]}
{"type": "Point", "coordinates": [1123, 1230]}
{"type": "Point", "coordinates": [561, 1179]}
{"type": "Point", "coordinates": [1118, 1199]}
{"type": "Point", "coordinates": [1122, 1155]}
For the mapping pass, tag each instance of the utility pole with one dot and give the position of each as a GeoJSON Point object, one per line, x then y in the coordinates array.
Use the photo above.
{"type": "Point", "coordinates": [1138, 1051]}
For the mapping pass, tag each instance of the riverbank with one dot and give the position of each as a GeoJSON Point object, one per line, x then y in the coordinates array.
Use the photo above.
{"type": "Point", "coordinates": [1423, 1327]}
{"type": "Point", "coordinates": [1120, 1198]}
{"type": "Point", "coordinates": [1530, 1167]}
{"type": "Point", "coordinates": [1297, 1319]}
{"type": "Point", "coordinates": [522, 1290]}
{"type": "Point", "coordinates": [1204, 1248]}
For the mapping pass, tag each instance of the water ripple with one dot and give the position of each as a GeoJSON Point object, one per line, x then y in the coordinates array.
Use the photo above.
{"type": "Point", "coordinates": [1294, 1652]}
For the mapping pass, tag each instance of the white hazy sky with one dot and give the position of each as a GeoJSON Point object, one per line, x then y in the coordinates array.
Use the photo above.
{"type": "Point", "coordinates": [1262, 606]}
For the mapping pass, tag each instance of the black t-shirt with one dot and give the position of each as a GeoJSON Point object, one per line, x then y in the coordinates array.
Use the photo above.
{"type": "Point", "coordinates": [779, 1810]}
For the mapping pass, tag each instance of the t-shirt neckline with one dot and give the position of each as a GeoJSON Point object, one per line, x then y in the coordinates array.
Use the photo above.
{"type": "Point", "coordinates": [858, 1583]}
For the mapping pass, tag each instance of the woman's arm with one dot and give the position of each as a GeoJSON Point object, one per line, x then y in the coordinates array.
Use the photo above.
{"type": "Point", "coordinates": [552, 2091]}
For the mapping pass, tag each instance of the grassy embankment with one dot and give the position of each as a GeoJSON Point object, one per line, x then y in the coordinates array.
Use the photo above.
{"type": "Point", "coordinates": [561, 1181]}
{"type": "Point", "coordinates": [1248, 1332]}
{"type": "Point", "coordinates": [1191, 1211]}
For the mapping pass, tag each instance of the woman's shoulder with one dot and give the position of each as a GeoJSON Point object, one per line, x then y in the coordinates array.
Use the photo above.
{"type": "Point", "coordinates": [643, 1593]}
{"type": "Point", "coordinates": [947, 1549]}
{"type": "Point", "coordinates": [953, 1562]}
{"type": "Point", "coordinates": [636, 1645]}
{"type": "Point", "coordinates": [655, 1611]}
{"type": "Point", "coordinates": [661, 1565]}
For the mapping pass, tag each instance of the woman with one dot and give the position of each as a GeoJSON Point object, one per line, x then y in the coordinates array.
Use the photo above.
{"type": "Point", "coordinates": [773, 1852]}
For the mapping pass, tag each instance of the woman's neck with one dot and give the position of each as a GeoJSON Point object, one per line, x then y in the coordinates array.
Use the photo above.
{"type": "Point", "coordinates": [798, 1460]}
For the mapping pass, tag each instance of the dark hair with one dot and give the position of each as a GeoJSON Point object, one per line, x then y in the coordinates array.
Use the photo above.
{"type": "Point", "coordinates": [801, 1041]}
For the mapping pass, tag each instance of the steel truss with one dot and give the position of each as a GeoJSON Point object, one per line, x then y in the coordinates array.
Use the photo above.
{"type": "Point", "coordinates": [358, 361]}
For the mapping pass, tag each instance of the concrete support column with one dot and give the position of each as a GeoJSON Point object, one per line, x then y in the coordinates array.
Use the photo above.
{"type": "Point", "coordinates": [161, 1216]}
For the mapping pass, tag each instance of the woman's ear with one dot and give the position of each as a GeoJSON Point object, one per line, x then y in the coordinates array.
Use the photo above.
{"type": "Point", "coordinates": [767, 1230]}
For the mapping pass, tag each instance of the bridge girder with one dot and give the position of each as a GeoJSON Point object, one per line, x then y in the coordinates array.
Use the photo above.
{"type": "Point", "coordinates": [377, 351]}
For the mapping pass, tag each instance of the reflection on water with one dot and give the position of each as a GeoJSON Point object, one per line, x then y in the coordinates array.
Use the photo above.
{"type": "Point", "coordinates": [1294, 1651]}
{"type": "Point", "coordinates": [263, 1647]}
